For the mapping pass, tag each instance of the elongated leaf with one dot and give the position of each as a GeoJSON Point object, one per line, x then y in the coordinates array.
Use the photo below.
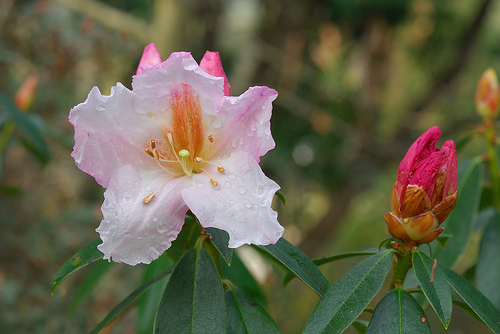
{"type": "Point", "coordinates": [85, 256]}
{"type": "Point", "coordinates": [360, 326]}
{"type": "Point", "coordinates": [488, 262]}
{"type": "Point", "coordinates": [186, 239]}
{"type": "Point", "coordinates": [149, 300]}
{"type": "Point", "coordinates": [127, 301]}
{"type": "Point", "coordinates": [437, 292]}
{"type": "Point", "coordinates": [464, 306]}
{"type": "Point", "coordinates": [460, 222]}
{"type": "Point", "coordinates": [220, 239]}
{"type": "Point", "coordinates": [398, 313]}
{"type": "Point", "coordinates": [28, 127]}
{"type": "Point", "coordinates": [475, 299]}
{"type": "Point", "coordinates": [348, 297]}
{"type": "Point", "coordinates": [327, 259]}
{"type": "Point", "coordinates": [193, 301]}
{"type": "Point", "coordinates": [245, 315]}
{"type": "Point", "coordinates": [298, 263]}
{"type": "Point", "coordinates": [84, 289]}
{"type": "Point", "coordinates": [239, 275]}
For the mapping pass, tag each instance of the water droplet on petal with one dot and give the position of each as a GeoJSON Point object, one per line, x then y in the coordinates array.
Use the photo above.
{"type": "Point", "coordinates": [127, 198]}
{"type": "Point", "coordinates": [161, 228]}
{"type": "Point", "coordinates": [245, 168]}
{"type": "Point", "coordinates": [228, 184]}
{"type": "Point", "coordinates": [200, 185]}
{"type": "Point", "coordinates": [232, 176]}
{"type": "Point", "coordinates": [260, 190]}
{"type": "Point", "coordinates": [129, 182]}
{"type": "Point", "coordinates": [217, 123]}
{"type": "Point", "coordinates": [139, 237]}
{"type": "Point", "coordinates": [242, 190]}
{"type": "Point", "coordinates": [148, 188]}
{"type": "Point", "coordinates": [241, 142]}
{"type": "Point", "coordinates": [247, 204]}
{"type": "Point", "coordinates": [253, 127]}
{"type": "Point", "coordinates": [154, 218]}
{"type": "Point", "coordinates": [234, 143]}
{"type": "Point", "coordinates": [136, 183]}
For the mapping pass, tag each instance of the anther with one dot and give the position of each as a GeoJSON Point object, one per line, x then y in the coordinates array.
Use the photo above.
{"type": "Point", "coordinates": [220, 169]}
{"type": "Point", "coordinates": [152, 144]}
{"type": "Point", "coordinates": [148, 198]}
{"type": "Point", "coordinates": [198, 159]}
{"type": "Point", "coordinates": [210, 138]}
{"type": "Point", "coordinates": [148, 151]}
{"type": "Point", "coordinates": [214, 183]}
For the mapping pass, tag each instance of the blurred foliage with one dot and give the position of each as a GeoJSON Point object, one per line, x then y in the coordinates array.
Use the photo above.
{"type": "Point", "coordinates": [358, 82]}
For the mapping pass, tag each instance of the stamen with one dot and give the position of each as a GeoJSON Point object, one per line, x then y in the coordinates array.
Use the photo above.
{"type": "Point", "coordinates": [148, 198]}
{"type": "Point", "coordinates": [153, 144]}
{"type": "Point", "coordinates": [210, 138]}
{"type": "Point", "coordinates": [214, 183]}
{"type": "Point", "coordinates": [220, 169]}
{"type": "Point", "coordinates": [171, 141]}
{"type": "Point", "coordinates": [184, 154]}
{"type": "Point", "coordinates": [153, 153]}
{"type": "Point", "coordinates": [148, 151]}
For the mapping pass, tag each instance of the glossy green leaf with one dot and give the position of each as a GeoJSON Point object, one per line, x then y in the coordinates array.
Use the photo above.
{"type": "Point", "coordinates": [348, 297]}
{"type": "Point", "coordinates": [360, 326]}
{"type": "Point", "coordinates": [443, 239]}
{"type": "Point", "coordinates": [29, 128]}
{"type": "Point", "coordinates": [127, 301]}
{"type": "Point", "coordinates": [149, 300]}
{"type": "Point", "coordinates": [488, 262]}
{"type": "Point", "coordinates": [185, 240]}
{"type": "Point", "coordinates": [398, 313]}
{"type": "Point", "coordinates": [461, 220]}
{"type": "Point", "coordinates": [193, 301]}
{"type": "Point", "coordinates": [92, 277]}
{"type": "Point", "coordinates": [475, 299]}
{"type": "Point", "coordinates": [85, 256]}
{"type": "Point", "coordinates": [239, 275]}
{"type": "Point", "coordinates": [437, 292]}
{"type": "Point", "coordinates": [464, 306]}
{"type": "Point", "coordinates": [327, 259]}
{"type": "Point", "coordinates": [220, 239]}
{"type": "Point", "coordinates": [245, 315]}
{"type": "Point", "coordinates": [298, 263]}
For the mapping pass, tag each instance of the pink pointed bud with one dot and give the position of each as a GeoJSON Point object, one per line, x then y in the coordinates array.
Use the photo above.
{"type": "Point", "coordinates": [426, 189]}
{"type": "Point", "coordinates": [487, 95]}
{"type": "Point", "coordinates": [149, 56]}
{"type": "Point", "coordinates": [26, 93]}
{"type": "Point", "coordinates": [211, 64]}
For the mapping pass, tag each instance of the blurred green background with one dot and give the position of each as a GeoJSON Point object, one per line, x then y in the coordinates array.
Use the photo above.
{"type": "Point", "coordinates": [359, 81]}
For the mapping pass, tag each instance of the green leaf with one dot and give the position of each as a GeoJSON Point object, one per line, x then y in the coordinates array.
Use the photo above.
{"type": "Point", "coordinates": [460, 222]}
{"type": "Point", "coordinates": [127, 301]}
{"type": "Point", "coordinates": [193, 301]}
{"type": "Point", "coordinates": [281, 196]}
{"type": "Point", "coordinates": [245, 315]}
{"type": "Point", "coordinates": [348, 297]}
{"type": "Point", "coordinates": [298, 263]}
{"type": "Point", "coordinates": [443, 239]}
{"type": "Point", "coordinates": [239, 275]}
{"type": "Point", "coordinates": [398, 313]}
{"type": "Point", "coordinates": [327, 259]}
{"type": "Point", "coordinates": [360, 326]}
{"type": "Point", "coordinates": [99, 269]}
{"type": "Point", "coordinates": [475, 299]}
{"type": "Point", "coordinates": [85, 256]}
{"type": "Point", "coordinates": [437, 292]}
{"type": "Point", "coordinates": [28, 126]}
{"type": "Point", "coordinates": [464, 306]}
{"type": "Point", "coordinates": [488, 262]}
{"type": "Point", "coordinates": [149, 300]}
{"type": "Point", "coordinates": [186, 239]}
{"type": "Point", "coordinates": [220, 239]}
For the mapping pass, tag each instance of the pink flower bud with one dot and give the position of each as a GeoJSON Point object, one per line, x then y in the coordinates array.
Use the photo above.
{"type": "Point", "coordinates": [26, 93]}
{"type": "Point", "coordinates": [426, 189]}
{"type": "Point", "coordinates": [487, 95]}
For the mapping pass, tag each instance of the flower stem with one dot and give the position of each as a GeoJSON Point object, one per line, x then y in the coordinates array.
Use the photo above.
{"type": "Point", "coordinates": [491, 141]}
{"type": "Point", "coordinates": [401, 267]}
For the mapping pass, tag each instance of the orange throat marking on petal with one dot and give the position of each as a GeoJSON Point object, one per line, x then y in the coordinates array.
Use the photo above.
{"type": "Point", "coordinates": [183, 144]}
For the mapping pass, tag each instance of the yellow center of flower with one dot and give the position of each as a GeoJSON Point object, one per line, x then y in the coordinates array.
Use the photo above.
{"type": "Point", "coordinates": [184, 143]}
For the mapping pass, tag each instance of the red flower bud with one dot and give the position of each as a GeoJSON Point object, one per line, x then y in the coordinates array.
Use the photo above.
{"type": "Point", "coordinates": [426, 189]}
{"type": "Point", "coordinates": [487, 95]}
{"type": "Point", "coordinates": [25, 95]}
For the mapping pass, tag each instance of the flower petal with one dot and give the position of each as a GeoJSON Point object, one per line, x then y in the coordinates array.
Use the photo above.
{"type": "Point", "coordinates": [149, 56]}
{"type": "Point", "coordinates": [212, 64]}
{"type": "Point", "coordinates": [421, 149]}
{"type": "Point", "coordinates": [451, 182]}
{"type": "Point", "coordinates": [133, 232]}
{"type": "Point", "coordinates": [245, 123]}
{"type": "Point", "coordinates": [240, 204]}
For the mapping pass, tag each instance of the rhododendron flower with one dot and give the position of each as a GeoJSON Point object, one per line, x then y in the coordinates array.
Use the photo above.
{"type": "Point", "coordinates": [174, 143]}
{"type": "Point", "coordinates": [426, 189]}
